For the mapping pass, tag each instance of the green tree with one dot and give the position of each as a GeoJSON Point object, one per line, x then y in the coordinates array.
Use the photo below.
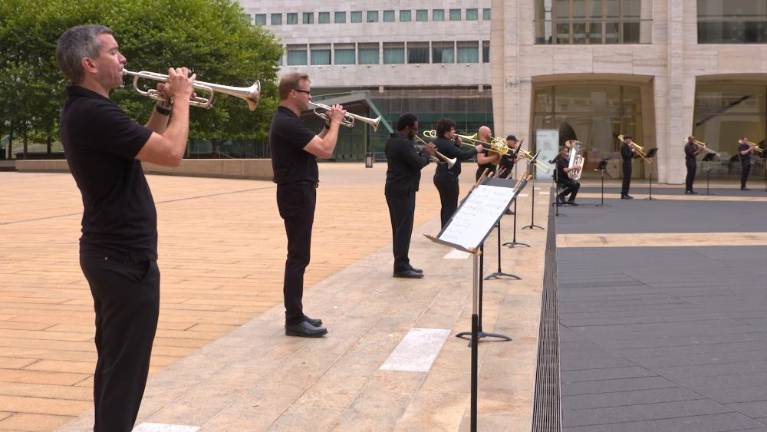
{"type": "Point", "coordinates": [212, 37]}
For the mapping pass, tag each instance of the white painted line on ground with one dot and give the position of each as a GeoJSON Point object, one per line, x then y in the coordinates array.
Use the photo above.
{"type": "Point", "coordinates": [523, 195]}
{"type": "Point", "coordinates": [457, 254]}
{"type": "Point", "coordinates": [417, 350]}
{"type": "Point", "coordinates": [160, 427]}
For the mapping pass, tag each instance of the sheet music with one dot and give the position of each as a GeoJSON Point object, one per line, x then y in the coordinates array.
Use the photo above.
{"type": "Point", "coordinates": [477, 216]}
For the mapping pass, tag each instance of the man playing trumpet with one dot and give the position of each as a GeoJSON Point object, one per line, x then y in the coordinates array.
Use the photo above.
{"type": "Point", "coordinates": [691, 150]}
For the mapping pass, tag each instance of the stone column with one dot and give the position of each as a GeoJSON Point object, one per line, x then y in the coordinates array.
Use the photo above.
{"type": "Point", "coordinates": [498, 29]}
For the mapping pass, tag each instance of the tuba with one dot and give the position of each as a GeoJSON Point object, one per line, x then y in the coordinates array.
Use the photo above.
{"type": "Point", "coordinates": [575, 166]}
{"type": "Point", "coordinates": [251, 94]}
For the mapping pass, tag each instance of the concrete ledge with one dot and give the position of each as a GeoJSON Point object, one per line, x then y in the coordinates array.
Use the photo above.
{"type": "Point", "coordinates": [258, 169]}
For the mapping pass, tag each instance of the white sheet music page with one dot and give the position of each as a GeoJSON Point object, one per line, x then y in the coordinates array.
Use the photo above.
{"type": "Point", "coordinates": [477, 216]}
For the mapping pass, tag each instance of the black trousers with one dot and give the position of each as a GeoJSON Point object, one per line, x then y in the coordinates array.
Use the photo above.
{"type": "Point", "coordinates": [691, 168]}
{"type": "Point", "coordinates": [296, 202]}
{"type": "Point", "coordinates": [401, 213]}
{"type": "Point", "coordinates": [568, 187]}
{"type": "Point", "coordinates": [745, 170]}
{"type": "Point", "coordinates": [447, 185]}
{"type": "Point", "coordinates": [626, 177]}
{"type": "Point", "coordinates": [126, 298]}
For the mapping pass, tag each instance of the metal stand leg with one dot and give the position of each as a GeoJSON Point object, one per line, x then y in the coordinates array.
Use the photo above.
{"type": "Point", "coordinates": [532, 212]}
{"type": "Point", "coordinates": [499, 274]}
{"type": "Point", "coordinates": [479, 261]}
{"type": "Point", "coordinates": [514, 242]}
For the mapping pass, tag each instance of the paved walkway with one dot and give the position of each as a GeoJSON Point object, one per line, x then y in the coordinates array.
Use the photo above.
{"type": "Point", "coordinates": [662, 307]}
{"type": "Point", "coordinates": [220, 360]}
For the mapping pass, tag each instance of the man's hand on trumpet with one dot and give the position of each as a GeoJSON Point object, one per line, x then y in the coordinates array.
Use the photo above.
{"type": "Point", "coordinates": [336, 114]}
{"type": "Point", "coordinates": [430, 148]}
{"type": "Point", "coordinates": [179, 84]}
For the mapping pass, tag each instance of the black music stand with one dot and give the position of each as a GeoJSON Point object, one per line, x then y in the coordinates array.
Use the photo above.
{"type": "Point", "coordinates": [601, 168]}
{"type": "Point", "coordinates": [499, 274]}
{"type": "Point", "coordinates": [514, 241]}
{"type": "Point", "coordinates": [467, 230]}
{"type": "Point", "coordinates": [708, 158]}
{"type": "Point", "coordinates": [533, 170]}
{"type": "Point", "coordinates": [650, 158]}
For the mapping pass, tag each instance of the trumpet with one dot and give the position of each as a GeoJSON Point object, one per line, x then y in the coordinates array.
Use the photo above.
{"type": "Point", "coordinates": [439, 157]}
{"type": "Point", "coordinates": [251, 94]}
{"type": "Point", "coordinates": [639, 149]}
{"type": "Point", "coordinates": [754, 147]}
{"type": "Point", "coordinates": [349, 118]}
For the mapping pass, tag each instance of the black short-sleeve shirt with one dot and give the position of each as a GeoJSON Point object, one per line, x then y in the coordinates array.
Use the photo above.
{"type": "Point", "coordinates": [746, 157]}
{"type": "Point", "coordinates": [562, 163]}
{"type": "Point", "coordinates": [287, 137]}
{"type": "Point", "coordinates": [690, 151]}
{"type": "Point", "coordinates": [100, 143]}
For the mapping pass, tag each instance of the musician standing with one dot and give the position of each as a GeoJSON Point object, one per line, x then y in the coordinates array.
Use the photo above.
{"type": "Point", "coordinates": [118, 247]}
{"type": "Point", "coordinates": [403, 176]}
{"type": "Point", "coordinates": [691, 150]}
{"type": "Point", "coordinates": [507, 161]}
{"type": "Point", "coordinates": [486, 159]}
{"type": "Point", "coordinates": [295, 150]}
{"type": "Point", "coordinates": [627, 154]}
{"type": "Point", "coordinates": [567, 185]}
{"type": "Point", "coordinates": [744, 154]}
{"type": "Point", "coordinates": [446, 179]}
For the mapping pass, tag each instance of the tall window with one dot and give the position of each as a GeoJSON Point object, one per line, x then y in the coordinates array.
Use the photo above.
{"type": "Point", "coordinates": [356, 16]}
{"type": "Point", "coordinates": [368, 53]}
{"type": "Point", "coordinates": [422, 15]}
{"type": "Point", "coordinates": [308, 18]}
{"type": "Point", "coordinates": [323, 17]}
{"type": "Point", "coordinates": [468, 52]}
{"type": "Point", "coordinates": [404, 15]}
{"type": "Point", "coordinates": [343, 54]}
{"type": "Point", "coordinates": [438, 15]}
{"type": "Point", "coordinates": [486, 15]}
{"type": "Point", "coordinates": [320, 54]}
{"type": "Point", "coordinates": [339, 17]}
{"type": "Point", "coordinates": [732, 21]}
{"type": "Point", "coordinates": [485, 51]}
{"type": "Point", "coordinates": [297, 55]}
{"type": "Point", "coordinates": [593, 21]}
{"type": "Point", "coordinates": [292, 18]}
{"type": "Point", "coordinates": [443, 52]}
{"type": "Point", "coordinates": [417, 52]}
{"type": "Point", "coordinates": [388, 16]}
{"type": "Point", "coordinates": [394, 52]}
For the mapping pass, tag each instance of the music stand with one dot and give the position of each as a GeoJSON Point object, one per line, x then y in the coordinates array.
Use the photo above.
{"type": "Point", "coordinates": [708, 158]}
{"type": "Point", "coordinates": [649, 158]}
{"type": "Point", "coordinates": [532, 225]}
{"type": "Point", "coordinates": [555, 204]}
{"type": "Point", "coordinates": [514, 241]}
{"type": "Point", "coordinates": [499, 274]}
{"type": "Point", "coordinates": [601, 168]}
{"type": "Point", "coordinates": [467, 230]}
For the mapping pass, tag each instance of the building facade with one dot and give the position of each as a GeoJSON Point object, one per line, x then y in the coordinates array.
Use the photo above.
{"type": "Point", "coordinates": [658, 70]}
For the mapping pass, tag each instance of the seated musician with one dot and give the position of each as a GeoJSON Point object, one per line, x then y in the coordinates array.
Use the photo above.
{"type": "Point", "coordinates": [566, 185]}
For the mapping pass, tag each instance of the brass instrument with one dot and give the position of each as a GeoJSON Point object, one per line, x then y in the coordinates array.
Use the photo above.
{"type": "Point", "coordinates": [702, 145]}
{"type": "Point", "coordinates": [349, 118]}
{"type": "Point", "coordinates": [525, 154]}
{"type": "Point", "coordinates": [638, 149]}
{"type": "Point", "coordinates": [439, 157]}
{"type": "Point", "coordinates": [251, 94]}
{"type": "Point", "coordinates": [754, 147]}
{"type": "Point", "coordinates": [575, 166]}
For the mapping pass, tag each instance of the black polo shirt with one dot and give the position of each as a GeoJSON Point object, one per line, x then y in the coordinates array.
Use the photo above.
{"type": "Point", "coordinates": [287, 137]}
{"type": "Point", "coordinates": [744, 157]}
{"type": "Point", "coordinates": [690, 151]}
{"type": "Point", "coordinates": [562, 163]}
{"type": "Point", "coordinates": [101, 143]}
{"type": "Point", "coordinates": [404, 164]}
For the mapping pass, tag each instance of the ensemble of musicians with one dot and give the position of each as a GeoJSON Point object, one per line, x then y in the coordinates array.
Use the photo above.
{"type": "Point", "coordinates": [118, 246]}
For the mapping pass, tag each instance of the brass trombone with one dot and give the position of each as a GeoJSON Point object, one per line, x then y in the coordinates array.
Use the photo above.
{"type": "Point", "coordinates": [439, 157]}
{"type": "Point", "coordinates": [702, 145]}
{"type": "Point", "coordinates": [251, 94]}
{"type": "Point", "coordinates": [349, 118]}
{"type": "Point", "coordinates": [754, 147]}
{"type": "Point", "coordinates": [639, 149]}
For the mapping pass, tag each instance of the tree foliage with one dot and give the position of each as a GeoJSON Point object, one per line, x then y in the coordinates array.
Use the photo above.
{"type": "Point", "coordinates": [212, 37]}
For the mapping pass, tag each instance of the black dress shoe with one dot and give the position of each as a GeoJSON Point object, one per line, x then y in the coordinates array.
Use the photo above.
{"type": "Point", "coordinates": [410, 274]}
{"type": "Point", "coordinates": [304, 329]}
{"type": "Point", "coordinates": [572, 203]}
{"type": "Point", "coordinates": [693, 193]}
{"type": "Point", "coordinates": [417, 270]}
{"type": "Point", "coordinates": [312, 321]}
{"type": "Point", "coordinates": [627, 197]}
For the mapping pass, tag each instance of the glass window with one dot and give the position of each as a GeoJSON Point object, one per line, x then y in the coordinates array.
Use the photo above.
{"type": "Point", "coordinates": [472, 14]}
{"type": "Point", "coordinates": [356, 16]}
{"type": "Point", "coordinates": [417, 52]}
{"type": "Point", "coordinates": [261, 19]}
{"type": "Point", "coordinates": [595, 9]}
{"type": "Point", "coordinates": [339, 17]}
{"type": "Point", "coordinates": [344, 54]}
{"type": "Point", "coordinates": [443, 52]}
{"type": "Point", "coordinates": [485, 51]}
{"type": "Point", "coordinates": [404, 15]}
{"type": "Point", "coordinates": [297, 55]}
{"type": "Point", "coordinates": [292, 18]}
{"type": "Point", "coordinates": [372, 16]}
{"type": "Point", "coordinates": [438, 15]}
{"type": "Point", "coordinates": [320, 54]}
{"type": "Point", "coordinates": [323, 18]}
{"type": "Point", "coordinates": [421, 15]}
{"type": "Point", "coordinates": [593, 21]}
{"type": "Point", "coordinates": [308, 18]}
{"type": "Point", "coordinates": [631, 32]}
{"type": "Point", "coordinates": [468, 52]}
{"type": "Point", "coordinates": [276, 19]}
{"type": "Point", "coordinates": [394, 52]}
{"type": "Point", "coordinates": [486, 14]}
{"type": "Point", "coordinates": [455, 14]}
{"type": "Point", "coordinates": [368, 53]}
{"type": "Point", "coordinates": [732, 21]}
{"type": "Point", "coordinates": [388, 16]}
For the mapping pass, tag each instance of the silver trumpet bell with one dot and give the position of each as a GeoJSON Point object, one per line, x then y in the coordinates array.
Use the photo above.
{"type": "Point", "coordinates": [251, 94]}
